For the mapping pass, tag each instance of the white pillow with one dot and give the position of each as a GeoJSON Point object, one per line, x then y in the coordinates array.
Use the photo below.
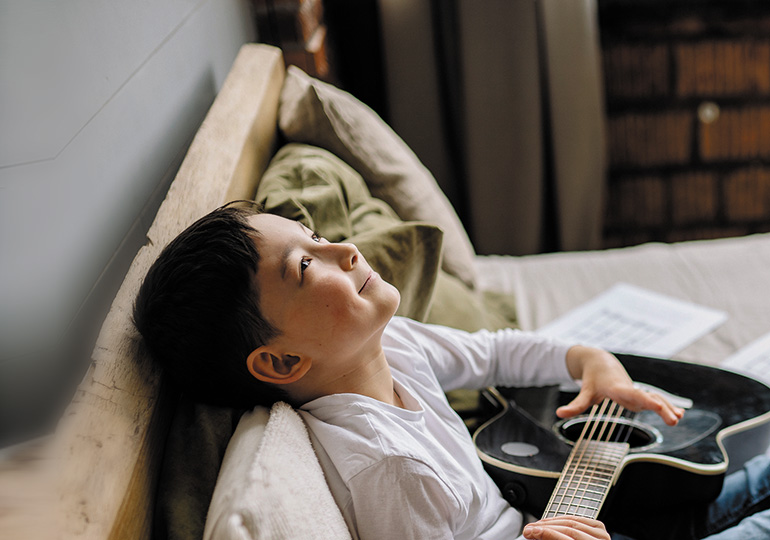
{"type": "Point", "coordinates": [313, 112]}
{"type": "Point", "coordinates": [271, 485]}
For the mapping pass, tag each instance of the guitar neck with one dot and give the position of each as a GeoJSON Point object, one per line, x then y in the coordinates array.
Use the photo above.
{"type": "Point", "coordinates": [590, 472]}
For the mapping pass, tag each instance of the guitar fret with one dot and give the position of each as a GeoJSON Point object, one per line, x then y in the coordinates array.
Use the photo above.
{"type": "Point", "coordinates": [588, 488]}
{"type": "Point", "coordinates": [603, 473]}
{"type": "Point", "coordinates": [582, 497]}
{"type": "Point", "coordinates": [605, 464]}
{"type": "Point", "coordinates": [586, 479]}
{"type": "Point", "coordinates": [589, 475]}
{"type": "Point", "coordinates": [587, 501]}
{"type": "Point", "coordinates": [573, 509]}
{"type": "Point", "coordinates": [565, 508]}
{"type": "Point", "coordinates": [585, 506]}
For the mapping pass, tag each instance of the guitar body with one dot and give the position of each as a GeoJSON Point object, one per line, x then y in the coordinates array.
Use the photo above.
{"type": "Point", "coordinates": [524, 447]}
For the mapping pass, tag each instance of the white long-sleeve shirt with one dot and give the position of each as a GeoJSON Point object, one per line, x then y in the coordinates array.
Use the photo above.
{"type": "Point", "coordinates": [414, 473]}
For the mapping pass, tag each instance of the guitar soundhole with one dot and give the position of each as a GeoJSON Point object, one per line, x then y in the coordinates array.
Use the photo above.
{"type": "Point", "coordinates": [636, 434]}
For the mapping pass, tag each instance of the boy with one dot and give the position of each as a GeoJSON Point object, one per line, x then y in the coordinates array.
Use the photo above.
{"type": "Point", "coordinates": [246, 308]}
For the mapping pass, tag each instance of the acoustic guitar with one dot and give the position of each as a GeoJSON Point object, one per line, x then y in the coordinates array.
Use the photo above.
{"type": "Point", "coordinates": [635, 462]}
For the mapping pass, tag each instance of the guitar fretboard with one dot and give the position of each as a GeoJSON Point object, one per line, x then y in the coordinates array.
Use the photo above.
{"type": "Point", "coordinates": [587, 478]}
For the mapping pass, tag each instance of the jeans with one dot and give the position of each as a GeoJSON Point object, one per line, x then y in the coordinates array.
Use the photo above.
{"type": "Point", "coordinates": [741, 512]}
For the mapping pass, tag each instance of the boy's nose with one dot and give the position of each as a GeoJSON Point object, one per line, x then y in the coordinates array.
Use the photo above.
{"type": "Point", "coordinates": [347, 254]}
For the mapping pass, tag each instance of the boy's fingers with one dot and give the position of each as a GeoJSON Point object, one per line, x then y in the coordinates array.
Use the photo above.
{"type": "Point", "coordinates": [663, 407]}
{"type": "Point", "coordinates": [566, 527]}
{"type": "Point", "coordinates": [651, 401]}
{"type": "Point", "coordinates": [633, 399]}
{"type": "Point", "coordinates": [581, 402]}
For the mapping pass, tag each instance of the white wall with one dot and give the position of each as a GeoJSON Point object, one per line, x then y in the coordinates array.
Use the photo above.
{"type": "Point", "coordinates": [98, 102]}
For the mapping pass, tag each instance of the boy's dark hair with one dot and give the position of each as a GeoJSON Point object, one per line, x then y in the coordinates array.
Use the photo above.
{"type": "Point", "coordinates": [198, 311]}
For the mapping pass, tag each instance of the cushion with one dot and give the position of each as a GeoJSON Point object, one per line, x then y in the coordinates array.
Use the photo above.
{"type": "Point", "coordinates": [194, 449]}
{"type": "Point", "coordinates": [456, 306]}
{"type": "Point", "coordinates": [271, 485]}
{"type": "Point", "coordinates": [314, 186]}
{"type": "Point", "coordinates": [311, 111]}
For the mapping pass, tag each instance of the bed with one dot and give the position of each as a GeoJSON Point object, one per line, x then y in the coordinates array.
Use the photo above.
{"type": "Point", "coordinates": [113, 437]}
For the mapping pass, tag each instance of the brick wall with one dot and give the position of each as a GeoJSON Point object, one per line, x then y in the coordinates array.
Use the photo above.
{"type": "Point", "coordinates": [687, 87]}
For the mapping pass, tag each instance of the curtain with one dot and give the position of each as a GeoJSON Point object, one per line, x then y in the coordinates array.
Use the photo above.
{"type": "Point", "coordinates": [502, 100]}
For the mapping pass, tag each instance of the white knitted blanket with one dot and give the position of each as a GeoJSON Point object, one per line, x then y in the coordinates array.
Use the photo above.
{"type": "Point", "coordinates": [270, 485]}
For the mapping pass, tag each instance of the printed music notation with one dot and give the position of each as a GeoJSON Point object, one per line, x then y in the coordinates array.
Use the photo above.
{"type": "Point", "coordinates": [753, 359]}
{"type": "Point", "coordinates": [630, 319]}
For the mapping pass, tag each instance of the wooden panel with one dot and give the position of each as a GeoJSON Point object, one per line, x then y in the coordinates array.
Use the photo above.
{"type": "Point", "coordinates": [112, 436]}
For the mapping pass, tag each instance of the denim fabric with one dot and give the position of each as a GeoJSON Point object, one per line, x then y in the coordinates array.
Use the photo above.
{"type": "Point", "coordinates": [742, 509]}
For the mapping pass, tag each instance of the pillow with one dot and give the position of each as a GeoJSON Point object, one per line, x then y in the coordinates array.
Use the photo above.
{"type": "Point", "coordinates": [271, 485]}
{"type": "Point", "coordinates": [196, 443]}
{"type": "Point", "coordinates": [314, 112]}
{"type": "Point", "coordinates": [315, 187]}
{"type": "Point", "coordinates": [456, 306]}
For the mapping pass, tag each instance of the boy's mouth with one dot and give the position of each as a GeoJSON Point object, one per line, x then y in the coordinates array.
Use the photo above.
{"type": "Point", "coordinates": [365, 282]}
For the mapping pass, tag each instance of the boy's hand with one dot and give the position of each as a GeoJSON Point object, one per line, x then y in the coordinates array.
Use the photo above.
{"type": "Point", "coordinates": [604, 376]}
{"type": "Point", "coordinates": [567, 528]}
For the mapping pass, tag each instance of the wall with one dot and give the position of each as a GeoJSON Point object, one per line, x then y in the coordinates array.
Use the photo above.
{"type": "Point", "coordinates": [98, 103]}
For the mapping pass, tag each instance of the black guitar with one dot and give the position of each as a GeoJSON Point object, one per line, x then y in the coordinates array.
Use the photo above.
{"type": "Point", "coordinates": [548, 466]}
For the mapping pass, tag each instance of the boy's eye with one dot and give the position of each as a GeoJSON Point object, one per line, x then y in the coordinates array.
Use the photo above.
{"type": "Point", "coordinates": [304, 262]}
{"type": "Point", "coordinates": [316, 237]}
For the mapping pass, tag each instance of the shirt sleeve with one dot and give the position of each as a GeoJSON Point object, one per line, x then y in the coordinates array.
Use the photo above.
{"type": "Point", "coordinates": [475, 360]}
{"type": "Point", "coordinates": [403, 499]}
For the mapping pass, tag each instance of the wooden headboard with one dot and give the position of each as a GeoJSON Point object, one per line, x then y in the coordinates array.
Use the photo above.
{"type": "Point", "coordinates": [111, 437]}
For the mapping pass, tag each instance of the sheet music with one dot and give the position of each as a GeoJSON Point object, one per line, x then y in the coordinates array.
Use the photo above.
{"type": "Point", "coordinates": [629, 319]}
{"type": "Point", "coordinates": [753, 359]}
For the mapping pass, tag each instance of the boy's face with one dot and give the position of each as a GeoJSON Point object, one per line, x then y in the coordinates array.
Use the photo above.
{"type": "Point", "coordinates": [325, 300]}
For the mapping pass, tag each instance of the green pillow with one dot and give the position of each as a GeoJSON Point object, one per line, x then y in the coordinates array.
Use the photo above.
{"type": "Point", "coordinates": [312, 185]}
{"type": "Point", "coordinates": [315, 187]}
{"type": "Point", "coordinates": [455, 305]}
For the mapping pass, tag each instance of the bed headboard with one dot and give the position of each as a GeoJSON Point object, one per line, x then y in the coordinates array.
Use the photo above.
{"type": "Point", "coordinates": [112, 435]}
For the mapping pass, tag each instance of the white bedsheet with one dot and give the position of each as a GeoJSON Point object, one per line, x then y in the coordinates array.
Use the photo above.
{"type": "Point", "coordinates": [730, 274]}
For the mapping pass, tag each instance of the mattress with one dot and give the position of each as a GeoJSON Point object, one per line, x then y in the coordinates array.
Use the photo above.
{"type": "Point", "coordinates": [732, 275]}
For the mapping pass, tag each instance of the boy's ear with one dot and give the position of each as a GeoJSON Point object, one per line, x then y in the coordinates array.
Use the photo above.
{"type": "Point", "coordinates": [276, 368]}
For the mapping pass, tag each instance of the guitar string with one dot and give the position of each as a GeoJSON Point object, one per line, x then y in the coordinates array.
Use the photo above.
{"type": "Point", "coordinates": [580, 451]}
{"type": "Point", "coordinates": [608, 457]}
{"type": "Point", "coordinates": [590, 451]}
{"type": "Point", "coordinates": [589, 471]}
{"type": "Point", "coordinates": [557, 499]}
{"type": "Point", "coordinates": [619, 414]}
{"type": "Point", "coordinates": [631, 416]}
{"type": "Point", "coordinates": [611, 420]}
